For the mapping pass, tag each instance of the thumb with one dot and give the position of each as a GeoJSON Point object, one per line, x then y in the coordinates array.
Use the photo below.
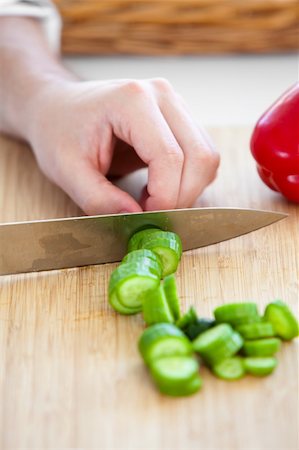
{"type": "Point", "coordinates": [94, 194]}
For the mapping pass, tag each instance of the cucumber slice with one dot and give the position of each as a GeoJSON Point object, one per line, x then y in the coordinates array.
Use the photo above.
{"type": "Point", "coordinates": [218, 343]}
{"type": "Point", "coordinates": [237, 313]}
{"type": "Point", "coordinates": [171, 294]}
{"type": "Point", "coordinates": [163, 339]}
{"type": "Point", "coordinates": [187, 319]}
{"type": "Point", "coordinates": [230, 369]}
{"type": "Point", "coordinates": [283, 320]}
{"type": "Point", "coordinates": [134, 241]}
{"type": "Point", "coordinates": [195, 329]}
{"type": "Point", "coordinates": [155, 307]}
{"type": "Point", "coordinates": [261, 347]}
{"type": "Point", "coordinates": [144, 257]}
{"type": "Point", "coordinates": [168, 246]}
{"type": "Point", "coordinates": [176, 376]}
{"type": "Point", "coordinates": [114, 302]}
{"type": "Point", "coordinates": [131, 290]}
{"type": "Point", "coordinates": [256, 330]}
{"type": "Point", "coordinates": [128, 270]}
{"type": "Point", "coordinates": [130, 281]}
{"type": "Point", "coordinates": [260, 367]}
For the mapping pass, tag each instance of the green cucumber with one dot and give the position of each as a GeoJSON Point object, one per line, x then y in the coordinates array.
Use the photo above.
{"type": "Point", "coordinates": [256, 330]}
{"type": "Point", "coordinates": [237, 313]}
{"type": "Point", "coordinates": [134, 241]}
{"type": "Point", "coordinates": [168, 246]}
{"type": "Point", "coordinates": [194, 329]}
{"type": "Point", "coordinates": [260, 367]}
{"type": "Point", "coordinates": [187, 319]}
{"type": "Point", "coordinates": [282, 319]}
{"type": "Point", "coordinates": [129, 281]}
{"type": "Point", "coordinates": [176, 375]}
{"type": "Point", "coordinates": [117, 306]}
{"type": "Point", "coordinates": [261, 347]}
{"type": "Point", "coordinates": [155, 307]}
{"type": "Point", "coordinates": [230, 369]}
{"type": "Point", "coordinates": [145, 257]}
{"type": "Point", "coordinates": [171, 293]}
{"type": "Point", "coordinates": [161, 340]}
{"type": "Point", "coordinates": [217, 343]}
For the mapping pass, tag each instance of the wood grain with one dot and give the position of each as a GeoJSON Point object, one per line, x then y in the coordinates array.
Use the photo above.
{"type": "Point", "coordinates": [70, 373]}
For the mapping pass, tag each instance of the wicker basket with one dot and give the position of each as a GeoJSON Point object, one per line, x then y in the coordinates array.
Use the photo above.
{"type": "Point", "coordinates": [165, 27]}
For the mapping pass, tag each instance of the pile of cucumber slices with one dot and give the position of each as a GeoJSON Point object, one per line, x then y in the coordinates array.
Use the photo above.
{"type": "Point", "coordinates": [237, 341]}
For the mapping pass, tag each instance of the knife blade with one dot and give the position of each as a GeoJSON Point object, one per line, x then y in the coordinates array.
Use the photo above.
{"type": "Point", "coordinates": [80, 241]}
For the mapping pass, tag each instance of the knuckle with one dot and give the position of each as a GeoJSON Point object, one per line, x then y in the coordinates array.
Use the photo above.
{"type": "Point", "coordinates": [175, 154]}
{"type": "Point", "coordinates": [162, 84]}
{"type": "Point", "coordinates": [208, 158]}
{"type": "Point", "coordinates": [134, 87]}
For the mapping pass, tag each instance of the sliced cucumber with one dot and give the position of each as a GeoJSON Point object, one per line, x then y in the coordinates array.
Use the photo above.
{"type": "Point", "coordinates": [155, 307]}
{"type": "Point", "coordinates": [260, 367]}
{"type": "Point", "coordinates": [230, 369]}
{"type": "Point", "coordinates": [144, 257]}
{"type": "Point", "coordinates": [218, 343]}
{"type": "Point", "coordinates": [131, 291]}
{"type": "Point", "coordinates": [237, 313]}
{"type": "Point", "coordinates": [129, 281]}
{"type": "Point", "coordinates": [187, 319]}
{"type": "Point", "coordinates": [171, 293]}
{"type": "Point", "coordinates": [168, 246]}
{"type": "Point", "coordinates": [128, 270]}
{"type": "Point", "coordinates": [256, 330]}
{"type": "Point", "coordinates": [176, 375]}
{"type": "Point", "coordinates": [261, 347]}
{"type": "Point", "coordinates": [114, 302]}
{"type": "Point", "coordinates": [134, 241]}
{"type": "Point", "coordinates": [199, 326]}
{"type": "Point", "coordinates": [161, 340]}
{"type": "Point", "coordinates": [282, 319]}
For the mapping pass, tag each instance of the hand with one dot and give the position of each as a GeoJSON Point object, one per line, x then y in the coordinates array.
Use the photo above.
{"type": "Point", "coordinates": [82, 133]}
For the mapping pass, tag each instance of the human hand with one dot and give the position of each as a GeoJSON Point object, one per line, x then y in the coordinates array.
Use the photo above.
{"type": "Point", "coordinates": [83, 133]}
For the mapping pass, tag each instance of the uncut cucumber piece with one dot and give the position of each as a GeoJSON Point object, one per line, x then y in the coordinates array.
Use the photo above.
{"type": "Point", "coordinates": [195, 329]}
{"type": "Point", "coordinates": [237, 313]}
{"type": "Point", "coordinates": [144, 257]}
{"type": "Point", "coordinates": [261, 347]}
{"type": "Point", "coordinates": [260, 367]}
{"type": "Point", "coordinates": [162, 340]}
{"type": "Point", "coordinates": [176, 375]}
{"type": "Point", "coordinates": [230, 369]}
{"type": "Point", "coordinates": [135, 239]}
{"type": "Point", "coordinates": [187, 319]}
{"type": "Point", "coordinates": [117, 306]}
{"type": "Point", "coordinates": [282, 319]}
{"type": "Point", "coordinates": [171, 293]}
{"type": "Point", "coordinates": [155, 307]}
{"type": "Point", "coordinates": [218, 343]}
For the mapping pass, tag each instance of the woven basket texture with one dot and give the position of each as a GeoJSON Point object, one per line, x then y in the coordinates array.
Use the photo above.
{"type": "Point", "coordinates": [170, 27]}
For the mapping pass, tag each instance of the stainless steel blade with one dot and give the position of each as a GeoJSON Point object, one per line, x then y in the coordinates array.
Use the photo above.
{"type": "Point", "coordinates": [80, 241]}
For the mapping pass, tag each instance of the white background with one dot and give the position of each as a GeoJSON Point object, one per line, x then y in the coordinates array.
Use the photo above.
{"type": "Point", "coordinates": [224, 90]}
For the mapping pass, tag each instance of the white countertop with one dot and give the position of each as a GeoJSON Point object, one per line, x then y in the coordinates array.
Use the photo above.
{"type": "Point", "coordinates": [219, 90]}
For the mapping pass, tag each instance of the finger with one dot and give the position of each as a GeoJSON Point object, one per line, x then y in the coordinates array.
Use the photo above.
{"type": "Point", "coordinates": [94, 194]}
{"type": "Point", "coordinates": [200, 159]}
{"type": "Point", "coordinates": [145, 129]}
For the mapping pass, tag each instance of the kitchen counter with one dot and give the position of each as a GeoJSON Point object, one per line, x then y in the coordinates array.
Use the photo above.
{"type": "Point", "coordinates": [70, 373]}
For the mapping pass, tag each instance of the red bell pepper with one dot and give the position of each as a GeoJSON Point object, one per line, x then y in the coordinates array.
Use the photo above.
{"type": "Point", "coordinates": [275, 145]}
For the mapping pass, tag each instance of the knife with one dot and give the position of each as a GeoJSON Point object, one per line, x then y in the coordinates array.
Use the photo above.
{"type": "Point", "coordinates": [80, 241]}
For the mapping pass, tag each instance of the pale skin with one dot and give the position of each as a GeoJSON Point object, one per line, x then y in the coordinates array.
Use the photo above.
{"type": "Point", "coordinates": [86, 133]}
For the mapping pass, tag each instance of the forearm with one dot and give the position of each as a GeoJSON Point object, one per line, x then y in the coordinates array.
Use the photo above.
{"type": "Point", "coordinates": [27, 67]}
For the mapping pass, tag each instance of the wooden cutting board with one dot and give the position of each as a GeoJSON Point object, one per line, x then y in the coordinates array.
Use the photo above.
{"type": "Point", "coordinates": [70, 373]}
